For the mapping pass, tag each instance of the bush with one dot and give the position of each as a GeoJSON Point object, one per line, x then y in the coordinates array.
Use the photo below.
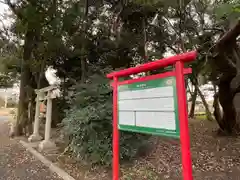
{"type": "Point", "coordinates": [88, 123]}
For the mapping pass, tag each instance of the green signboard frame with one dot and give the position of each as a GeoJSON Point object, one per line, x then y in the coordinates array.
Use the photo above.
{"type": "Point", "coordinates": [149, 84]}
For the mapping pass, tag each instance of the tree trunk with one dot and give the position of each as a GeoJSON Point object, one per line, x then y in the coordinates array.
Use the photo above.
{"type": "Point", "coordinates": [83, 49]}
{"type": "Point", "coordinates": [208, 112]}
{"type": "Point", "coordinates": [215, 88]}
{"type": "Point", "coordinates": [194, 81]}
{"type": "Point", "coordinates": [22, 117]}
{"type": "Point", "coordinates": [194, 98]}
{"type": "Point", "coordinates": [235, 87]}
{"type": "Point", "coordinates": [218, 111]}
{"type": "Point", "coordinates": [228, 119]}
{"type": "Point", "coordinates": [22, 114]}
{"type": "Point", "coordinates": [229, 85]}
{"type": "Point", "coordinates": [145, 41]}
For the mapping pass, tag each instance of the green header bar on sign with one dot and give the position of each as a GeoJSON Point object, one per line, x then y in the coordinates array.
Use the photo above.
{"type": "Point", "coordinates": [170, 81]}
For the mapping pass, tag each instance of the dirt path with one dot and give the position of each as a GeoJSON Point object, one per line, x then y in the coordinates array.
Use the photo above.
{"type": "Point", "coordinates": [18, 164]}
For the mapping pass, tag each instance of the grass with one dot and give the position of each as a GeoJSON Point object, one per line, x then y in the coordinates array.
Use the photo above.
{"type": "Point", "coordinates": [141, 170]}
{"type": "Point", "coordinates": [201, 116]}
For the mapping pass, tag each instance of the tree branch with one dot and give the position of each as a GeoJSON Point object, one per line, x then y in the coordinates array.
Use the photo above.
{"type": "Point", "coordinates": [177, 33]}
{"type": "Point", "coordinates": [229, 36]}
{"type": "Point", "coordinates": [173, 49]}
{"type": "Point", "coordinates": [191, 93]}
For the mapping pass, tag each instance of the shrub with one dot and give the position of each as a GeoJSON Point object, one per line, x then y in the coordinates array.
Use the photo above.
{"type": "Point", "coordinates": [88, 123]}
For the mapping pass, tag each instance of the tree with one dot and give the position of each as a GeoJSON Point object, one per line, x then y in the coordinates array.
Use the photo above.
{"type": "Point", "coordinates": [226, 70]}
{"type": "Point", "coordinates": [31, 19]}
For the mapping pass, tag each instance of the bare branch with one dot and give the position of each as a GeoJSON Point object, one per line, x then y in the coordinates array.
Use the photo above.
{"type": "Point", "coordinates": [214, 29]}
{"type": "Point", "coordinates": [173, 49]}
{"type": "Point", "coordinates": [168, 21]}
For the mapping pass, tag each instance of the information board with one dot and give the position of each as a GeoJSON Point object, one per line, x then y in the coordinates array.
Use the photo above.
{"type": "Point", "coordinates": [149, 107]}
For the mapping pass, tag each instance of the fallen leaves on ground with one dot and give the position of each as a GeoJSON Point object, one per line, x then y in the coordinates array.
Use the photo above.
{"type": "Point", "coordinates": [214, 158]}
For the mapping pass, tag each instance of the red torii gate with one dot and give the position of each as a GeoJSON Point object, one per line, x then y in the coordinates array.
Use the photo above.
{"type": "Point", "coordinates": [178, 61]}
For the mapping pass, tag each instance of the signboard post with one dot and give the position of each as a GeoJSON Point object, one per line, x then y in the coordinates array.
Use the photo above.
{"type": "Point", "coordinates": [154, 104]}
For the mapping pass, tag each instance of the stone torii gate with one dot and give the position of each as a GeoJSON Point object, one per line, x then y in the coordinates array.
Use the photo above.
{"type": "Point", "coordinates": [48, 93]}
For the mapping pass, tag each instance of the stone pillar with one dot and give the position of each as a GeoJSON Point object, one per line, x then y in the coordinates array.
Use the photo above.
{"type": "Point", "coordinates": [48, 118]}
{"type": "Point", "coordinates": [35, 136]}
{"type": "Point", "coordinates": [47, 144]}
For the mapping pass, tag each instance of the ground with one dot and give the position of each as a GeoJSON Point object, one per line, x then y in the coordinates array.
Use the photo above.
{"type": "Point", "coordinates": [214, 158]}
{"type": "Point", "coordinates": [18, 164]}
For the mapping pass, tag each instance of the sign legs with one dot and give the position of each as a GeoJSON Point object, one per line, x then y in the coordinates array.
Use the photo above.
{"type": "Point", "coordinates": [183, 118]}
{"type": "Point", "coordinates": [115, 132]}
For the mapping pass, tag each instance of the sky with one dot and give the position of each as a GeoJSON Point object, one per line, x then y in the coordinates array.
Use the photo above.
{"type": "Point", "coordinates": [3, 7]}
{"type": "Point", "coordinates": [3, 10]}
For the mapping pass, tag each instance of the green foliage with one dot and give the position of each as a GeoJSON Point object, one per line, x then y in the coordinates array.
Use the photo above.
{"type": "Point", "coordinates": [172, 3]}
{"type": "Point", "coordinates": [8, 63]}
{"type": "Point", "coordinates": [89, 123]}
{"type": "Point", "coordinates": [228, 10]}
{"type": "Point", "coordinates": [7, 80]}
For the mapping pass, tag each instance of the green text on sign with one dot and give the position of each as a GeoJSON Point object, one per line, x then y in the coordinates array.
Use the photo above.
{"type": "Point", "coordinates": [149, 107]}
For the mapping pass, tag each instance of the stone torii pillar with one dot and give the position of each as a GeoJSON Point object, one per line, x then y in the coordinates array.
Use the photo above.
{"type": "Point", "coordinates": [35, 136]}
{"type": "Point", "coordinates": [47, 143]}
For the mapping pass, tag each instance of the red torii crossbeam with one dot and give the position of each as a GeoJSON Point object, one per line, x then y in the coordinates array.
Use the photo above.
{"type": "Point", "coordinates": [178, 62]}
